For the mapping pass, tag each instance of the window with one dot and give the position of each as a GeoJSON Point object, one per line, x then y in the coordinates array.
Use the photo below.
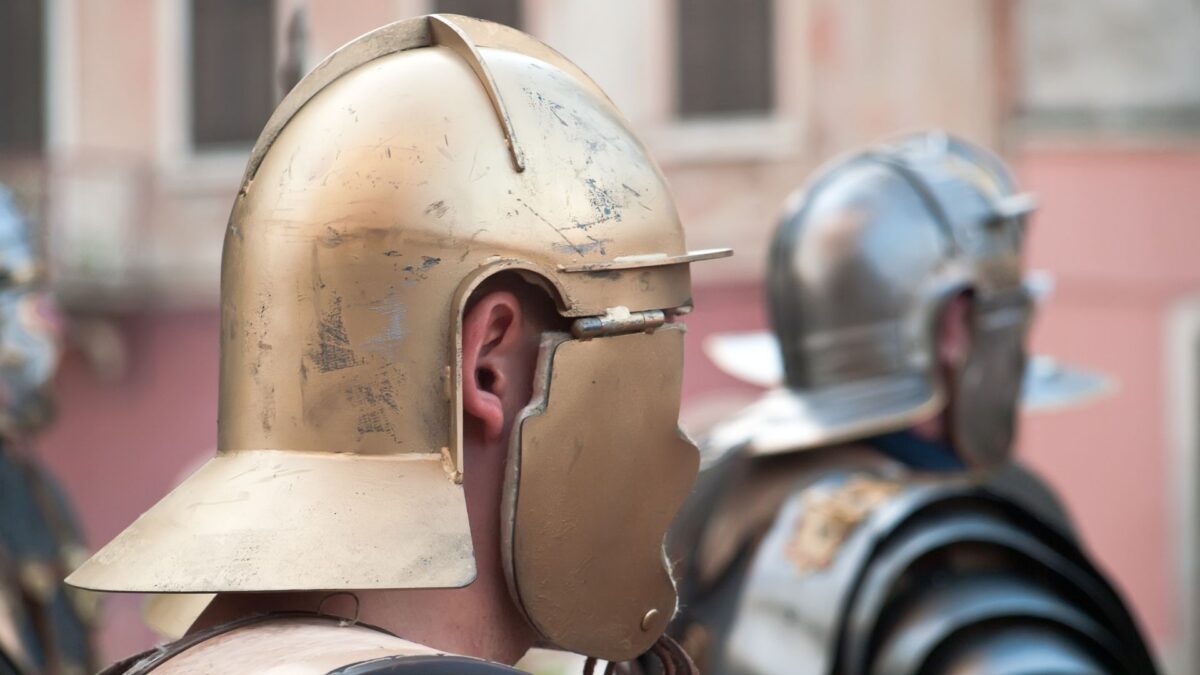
{"type": "Point", "coordinates": [725, 64]}
{"type": "Point", "coordinates": [22, 76]}
{"type": "Point", "coordinates": [232, 70]}
{"type": "Point", "coordinates": [507, 12]}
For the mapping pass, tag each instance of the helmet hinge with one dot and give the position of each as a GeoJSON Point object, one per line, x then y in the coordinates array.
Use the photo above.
{"type": "Point", "coordinates": [618, 321]}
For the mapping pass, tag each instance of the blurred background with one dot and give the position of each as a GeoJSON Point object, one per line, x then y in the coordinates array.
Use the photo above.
{"type": "Point", "coordinates": [125, 124]}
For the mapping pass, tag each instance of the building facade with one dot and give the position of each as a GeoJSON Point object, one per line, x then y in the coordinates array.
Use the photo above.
{"type": "Point", "coordinates": [126, 123]}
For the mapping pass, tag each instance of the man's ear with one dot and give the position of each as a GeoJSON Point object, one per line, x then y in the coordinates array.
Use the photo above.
{"type": "Point", "coordinates": [491, 348]}
{"type": "Point", "coordinates": [954, 333]}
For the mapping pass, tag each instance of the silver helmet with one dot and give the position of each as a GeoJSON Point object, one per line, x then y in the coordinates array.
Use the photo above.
{"type": "Point", "coordinates": [30, 327]}
{"type": "Point", "coordinates": [863, 261]}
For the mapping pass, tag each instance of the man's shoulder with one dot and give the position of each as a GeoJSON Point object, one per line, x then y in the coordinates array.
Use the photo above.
{"type": "Point", "coordinates": [737, 500]}
{"type": "Point", "coordinates": [300, 644]}
{"type": "Point", "coordinates": [870, 565]}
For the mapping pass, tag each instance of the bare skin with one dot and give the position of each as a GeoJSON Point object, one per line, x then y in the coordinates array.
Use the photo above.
{"type": "Point", "coordinates": [500, 344]}
{"type": "Point", "coordinates": [954, 343]}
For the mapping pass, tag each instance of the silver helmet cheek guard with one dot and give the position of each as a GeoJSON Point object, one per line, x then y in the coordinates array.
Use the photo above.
{"type": "Point", "coordinates": [986, 391]}
{"type": "Point", "coordinates": [597, 470]}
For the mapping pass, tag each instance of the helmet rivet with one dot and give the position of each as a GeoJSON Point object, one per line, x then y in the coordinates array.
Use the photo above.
{"type": "Point", "coordinates": [649, 618]}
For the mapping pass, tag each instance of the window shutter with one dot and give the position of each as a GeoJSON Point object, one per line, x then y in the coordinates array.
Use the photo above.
{"type": "Point", "coordinates": [725, 57]}
{"type": "Point", "coordinates": [233, 70]}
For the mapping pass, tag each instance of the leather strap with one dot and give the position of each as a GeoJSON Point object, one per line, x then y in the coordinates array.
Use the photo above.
{"type": "Point", "coordinates": [674, 660]}
{"type": "Point", "coordinates": [425, 665]}
{"type": "Point", "coordinates": [665, 657]}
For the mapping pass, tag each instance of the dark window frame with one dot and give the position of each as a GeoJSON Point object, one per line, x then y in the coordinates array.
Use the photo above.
{"type": "Point", "coordinates": [715, 79]}
{"type": "Point", "coordinates": [23, 115]}
{"type": "Point", "coordinates": [217, 75]}
{"type": "Point", "coordinates": [507, 12]}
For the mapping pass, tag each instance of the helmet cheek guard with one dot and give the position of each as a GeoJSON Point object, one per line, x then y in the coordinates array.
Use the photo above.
{"type": "Point", "coordinates": [987, 389]}
{"type": "Point", "coordinates": [590, 494]}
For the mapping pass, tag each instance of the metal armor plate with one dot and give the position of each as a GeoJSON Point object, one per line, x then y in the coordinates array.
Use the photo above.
{"type": "Point", "coordinates": [874, 570]}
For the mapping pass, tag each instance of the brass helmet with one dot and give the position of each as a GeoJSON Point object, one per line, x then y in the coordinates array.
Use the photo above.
{"type": "Point", "coordinates": [411, 165]}
{"type": "Point", "coordinates": [863, 262]}
{"type": "Point", "coordinates": [30, 327]}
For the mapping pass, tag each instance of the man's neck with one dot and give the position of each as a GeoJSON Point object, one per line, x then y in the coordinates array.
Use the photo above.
{"type": "Point", "coordinates": [932, 429]}
{"type": "Point", "coordinates": [478, 620]}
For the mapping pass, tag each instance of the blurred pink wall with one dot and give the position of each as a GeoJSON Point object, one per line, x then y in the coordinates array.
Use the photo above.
{"type": "Point", "coordinates": [1120, 229]}
{"type": "Point", "coordinates": [161, 416]}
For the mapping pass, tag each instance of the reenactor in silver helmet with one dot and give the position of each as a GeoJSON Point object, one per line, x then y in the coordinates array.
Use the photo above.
{"type": "Point", "coordinates": [865, 515]}
{"type": "Point", "coordinates": [450, 378]}
{"type": "Point", "coordinates": [44, 625]}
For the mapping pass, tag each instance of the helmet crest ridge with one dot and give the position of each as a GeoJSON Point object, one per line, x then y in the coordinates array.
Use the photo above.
{"type": "Point", "coordinates": [445, 33]}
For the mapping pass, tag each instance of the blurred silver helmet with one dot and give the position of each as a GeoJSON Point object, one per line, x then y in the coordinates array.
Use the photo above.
{"type": "Point", "coordinates": [30, 327]}
{"type": "Point", "coordinates": [863, 262]}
